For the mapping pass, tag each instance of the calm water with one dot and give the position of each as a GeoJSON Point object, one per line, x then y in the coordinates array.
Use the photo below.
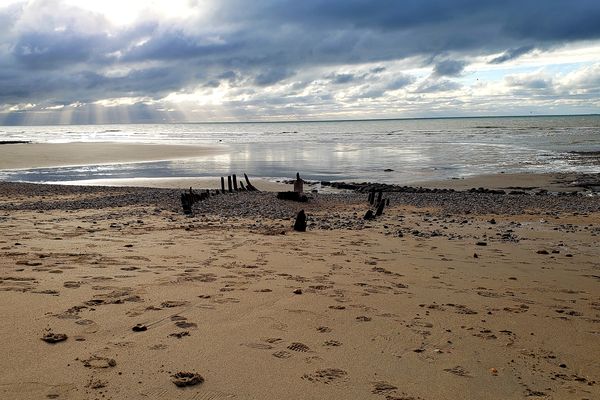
{"type": "Point", "coordinates": [416, 150]}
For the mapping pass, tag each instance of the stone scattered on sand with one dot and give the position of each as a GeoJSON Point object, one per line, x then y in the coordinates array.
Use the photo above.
{"type": "Point", "coordinates": [139, 328]}
{"type": "Point", "coordinates": [51, 337]}
{"type": "Point", "coordinates": [182, 379]}
{"type": "Point", "coordinates": [297, 291]}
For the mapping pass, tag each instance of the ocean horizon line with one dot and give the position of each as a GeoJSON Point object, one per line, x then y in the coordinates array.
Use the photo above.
{"type": "Point", "coordinates": [290, 121]}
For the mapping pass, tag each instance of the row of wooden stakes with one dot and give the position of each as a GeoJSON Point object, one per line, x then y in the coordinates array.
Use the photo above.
{"type": "Point", "coordinates": [188, 199]}
{"type": "Point", "coordinates": [379, 205]}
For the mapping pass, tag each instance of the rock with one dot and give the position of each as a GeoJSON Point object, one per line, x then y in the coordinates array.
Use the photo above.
{"type": "Point", "coordinates": [51, 337]}
{"type": "Point", "coordinates": [543, 252]}
{"type": "Point", "coordinates": [369, 215]}
{"type": "Point", "coordinates": [139, 328]}
{"type": "Point", "coordinates": [481, 243]}
{"type": "Point", "coordinates": [297, 291]}
{"type": "Point", "coordinates": [182, 379]}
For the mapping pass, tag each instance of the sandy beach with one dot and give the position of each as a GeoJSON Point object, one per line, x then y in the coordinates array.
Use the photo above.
{"type": "Point", "coordinates": [447, 295]}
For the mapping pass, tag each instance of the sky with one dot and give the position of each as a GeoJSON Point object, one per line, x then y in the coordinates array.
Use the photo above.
{"type": "Point", "coordinates": [137, 61]}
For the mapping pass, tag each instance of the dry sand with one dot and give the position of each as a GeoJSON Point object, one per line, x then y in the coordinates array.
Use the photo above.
{"type": "Point", "coordinates": [39, 155]}
{"type": "Point", "coordinates": [380, 316]}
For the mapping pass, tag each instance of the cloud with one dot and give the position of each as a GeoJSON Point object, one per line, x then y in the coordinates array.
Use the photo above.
{"type": "Point", "coordinates": [512, 54]}
{"type": "Point", "coordinates": [435, 86]}
{"type": "Point", "coordinates": [449, 68]}
{"type": "Point", "coordinates": [52, 53]}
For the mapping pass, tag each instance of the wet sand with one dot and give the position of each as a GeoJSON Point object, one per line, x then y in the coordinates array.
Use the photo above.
{"type": "Point", "coordinates": [436, 299]}
{"type": "Point", "coordinates": [39, 155]}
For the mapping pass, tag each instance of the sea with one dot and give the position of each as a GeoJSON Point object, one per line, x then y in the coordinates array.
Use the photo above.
{"type": "Point", "coordinates": [400, 151]}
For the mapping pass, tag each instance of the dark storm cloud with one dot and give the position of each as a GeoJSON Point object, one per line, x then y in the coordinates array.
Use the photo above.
{"type": "Point", "coordinates": [512, 54]}
{"type": "Point", "coordinates": [263, 43]}
{"type": "Point", "coordinates": [449, 68]}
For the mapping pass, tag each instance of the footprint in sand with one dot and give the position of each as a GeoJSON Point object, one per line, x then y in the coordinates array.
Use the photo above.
{"type": "Point", "coordinates": [259, 346]}
{"type": "Point", "coordinates": [326, 376]}
{"type": "Point", "coordinates": [282, 354]}
{"type": "Point", "coordinates": [99, 362]}
{"type": "Point", "coordinates": [297, 346]}
{"type": "Point", "coordinates": [459, 371]}
{"type": "Point", "coordinates": [185, 324]}
{"type": "Point", "coordinates": [383, 388]}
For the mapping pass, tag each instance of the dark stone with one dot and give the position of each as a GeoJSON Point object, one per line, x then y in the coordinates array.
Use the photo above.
{"type": "Point", "coordinates": [300, 224]}
{"type": "Point", "coordinates": [293, 196]}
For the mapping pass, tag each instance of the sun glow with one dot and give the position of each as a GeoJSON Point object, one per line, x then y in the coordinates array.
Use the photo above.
{"type": "Point", "coordinates": [126, 12]}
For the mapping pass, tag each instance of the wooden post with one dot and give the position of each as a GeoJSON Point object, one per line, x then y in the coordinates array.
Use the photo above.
{"type": "Point", "coordinates": [379, 196]}
{"type": "Point", "coordinates": [242, 188]}
{"type": "Point", "coordinates": [235, 189]}
{"type": "Point", "coordinates": [229, 188]}
{"type": "Point", "coordinates": [298, 184]}
{"type": "Point", "coordinates": [300, 224]}
{"type": "Point", "coordinates": [380, 208]}
{"type": "Point", "coordinates": [249, 186]}
{"type": "Point", "coordinates": [371, 197]}
{"type": "Point", "coordinates": [222, 185]}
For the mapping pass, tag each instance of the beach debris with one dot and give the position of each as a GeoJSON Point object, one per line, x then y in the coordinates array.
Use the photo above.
{"type": "Point", "coordinates": [235, 185]}
{"type": "Point", "coordinates": [298, 184]}
{"type": "Point", "coordinates": [293, 196]}
{"type": "Point", "coordinates": [139, 328]}
{"type": "Point", "coordinates": [542, 252]}
{"type": "Point", "coordinates": [182, 379]}
{"type": "Point", "coordinates": [229, 188]}
{"type": "Point", "coordinates": [297, 291]}
{"type": "Point", "coordinates": [493, 371]}
{"type": "Point", "coordinates": [300, 224]}
{"type": "Point", "coordinates": [380, 208]}
{"type": "Point", "coordinates": [249, 186]}
{"type": "Point", "coordinates": [51, 337]}
{"type": "Point", "coordinates": [481, 243]}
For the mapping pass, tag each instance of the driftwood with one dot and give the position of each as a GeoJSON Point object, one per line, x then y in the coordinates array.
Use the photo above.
{"type": "Point", "coordinates": [300, 224]}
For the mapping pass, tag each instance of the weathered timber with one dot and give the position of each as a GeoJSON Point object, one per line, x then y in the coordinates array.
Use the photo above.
{"type": "Point", "coordinates": [249, 186]}
{"type": "Point", "coordinates": [235, 187]}
{"type": "Point", "coordinates": [300, 224]}
{"type": "Point", "coordinates": [298, 184]}
{"type": "Point", "coordinates": [293, 196]}
{"type": "Point", "coordinates": [369, 215]}
{"type": "Point", "coordinates": [229, 188]}
{"type": "Point", "coordinates": [379, 197]}
{"type": "Point", "coordinates": [242, 188]}
{"type": "Point", "coordinates": [222, 185]}
{"type": "Point", "coordinates": [371, 197]}
{"type": "Point", "coordinates": [380, 208]}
